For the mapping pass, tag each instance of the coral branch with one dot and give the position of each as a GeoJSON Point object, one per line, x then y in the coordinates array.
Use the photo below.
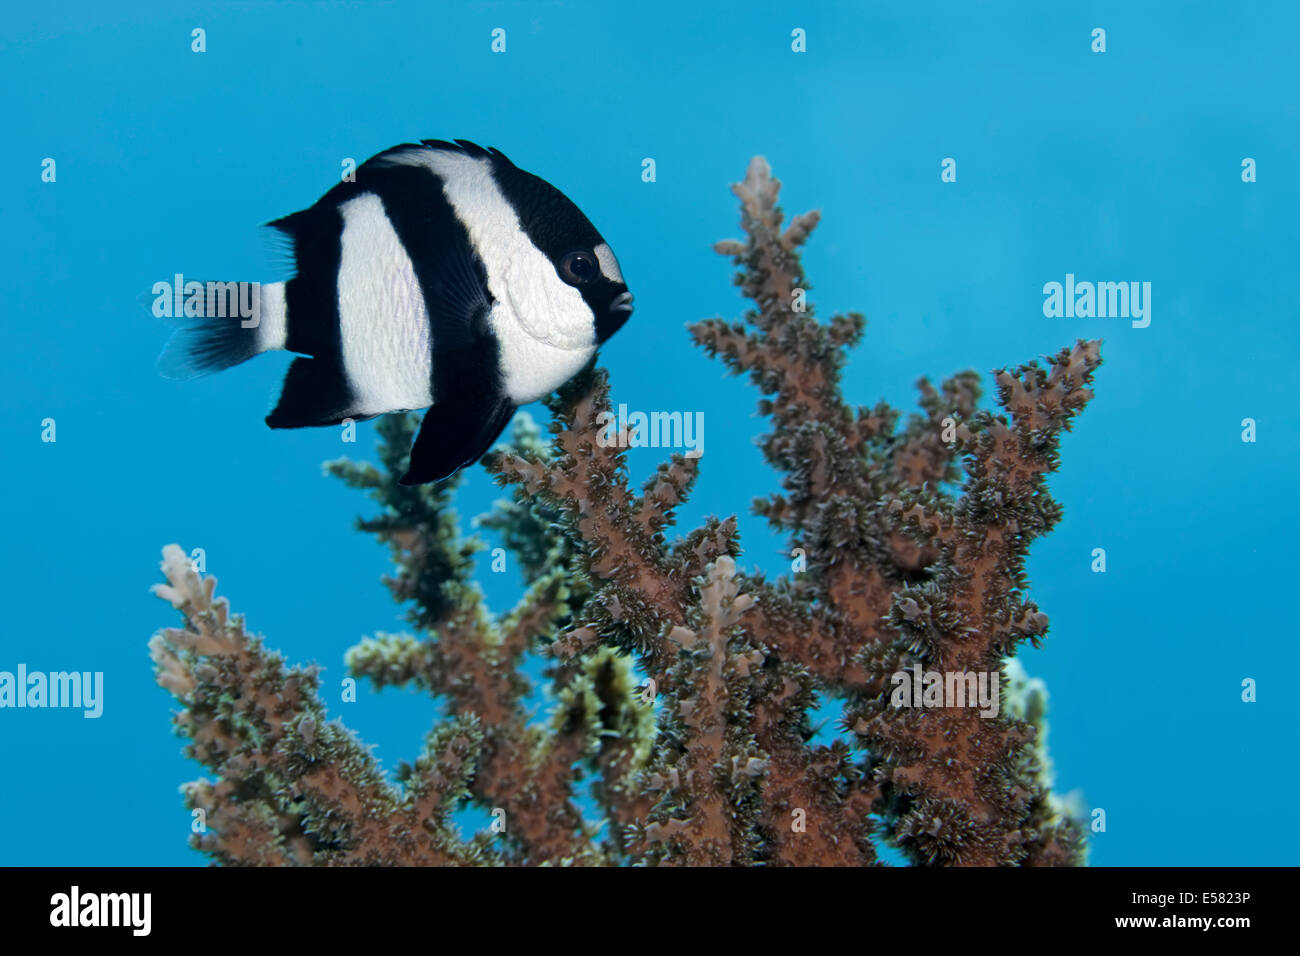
{"type": "Point", "coordinates": [292, 788]}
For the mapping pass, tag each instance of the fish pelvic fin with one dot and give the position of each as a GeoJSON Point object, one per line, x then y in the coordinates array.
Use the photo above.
{"type": "Point", "coordinates": [456, 432]}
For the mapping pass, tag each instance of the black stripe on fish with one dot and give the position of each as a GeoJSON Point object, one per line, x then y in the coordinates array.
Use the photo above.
{"type": "Point", "coordinates": [316, 390]}
{"type": "Point", "coordinates": [470, 406]}
{"type": "Point", "coordinates": [549, 218]}
{"type": "Point", "coordinates": [452, 277]}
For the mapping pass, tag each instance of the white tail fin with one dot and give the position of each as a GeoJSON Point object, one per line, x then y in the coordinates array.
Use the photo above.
{"type": "Point", "coordinates": [234, 322]}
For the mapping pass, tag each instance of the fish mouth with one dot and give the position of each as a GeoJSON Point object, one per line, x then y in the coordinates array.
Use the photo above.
{"type": "Point", "coordinates": [622, 304]}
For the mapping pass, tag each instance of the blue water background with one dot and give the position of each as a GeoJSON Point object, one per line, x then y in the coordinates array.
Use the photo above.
{"type": "Point", "coordinates": [1116, 166]}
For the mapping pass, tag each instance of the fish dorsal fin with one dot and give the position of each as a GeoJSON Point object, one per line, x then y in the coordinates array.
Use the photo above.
{"type": "Point", "coordinates": [467, 147]}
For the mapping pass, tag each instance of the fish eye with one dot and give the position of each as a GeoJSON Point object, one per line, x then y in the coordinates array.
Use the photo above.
{"type": "Point", "coordinates": [579, 267]}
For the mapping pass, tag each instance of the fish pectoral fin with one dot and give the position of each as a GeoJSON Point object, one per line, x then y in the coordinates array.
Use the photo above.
{"type": "Point", "coordinates": [455, 433]}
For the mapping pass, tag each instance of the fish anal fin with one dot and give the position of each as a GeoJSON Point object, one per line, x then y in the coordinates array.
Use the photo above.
{"type": "Point", "coordinates": [315, 392]}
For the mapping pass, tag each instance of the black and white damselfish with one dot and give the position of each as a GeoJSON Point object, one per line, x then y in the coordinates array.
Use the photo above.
{"type": "Point", "coordinates": [442, 277]}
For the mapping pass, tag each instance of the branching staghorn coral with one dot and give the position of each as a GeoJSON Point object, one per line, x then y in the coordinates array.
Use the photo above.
{"type": "Point", "coordinates": [712, 759]}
